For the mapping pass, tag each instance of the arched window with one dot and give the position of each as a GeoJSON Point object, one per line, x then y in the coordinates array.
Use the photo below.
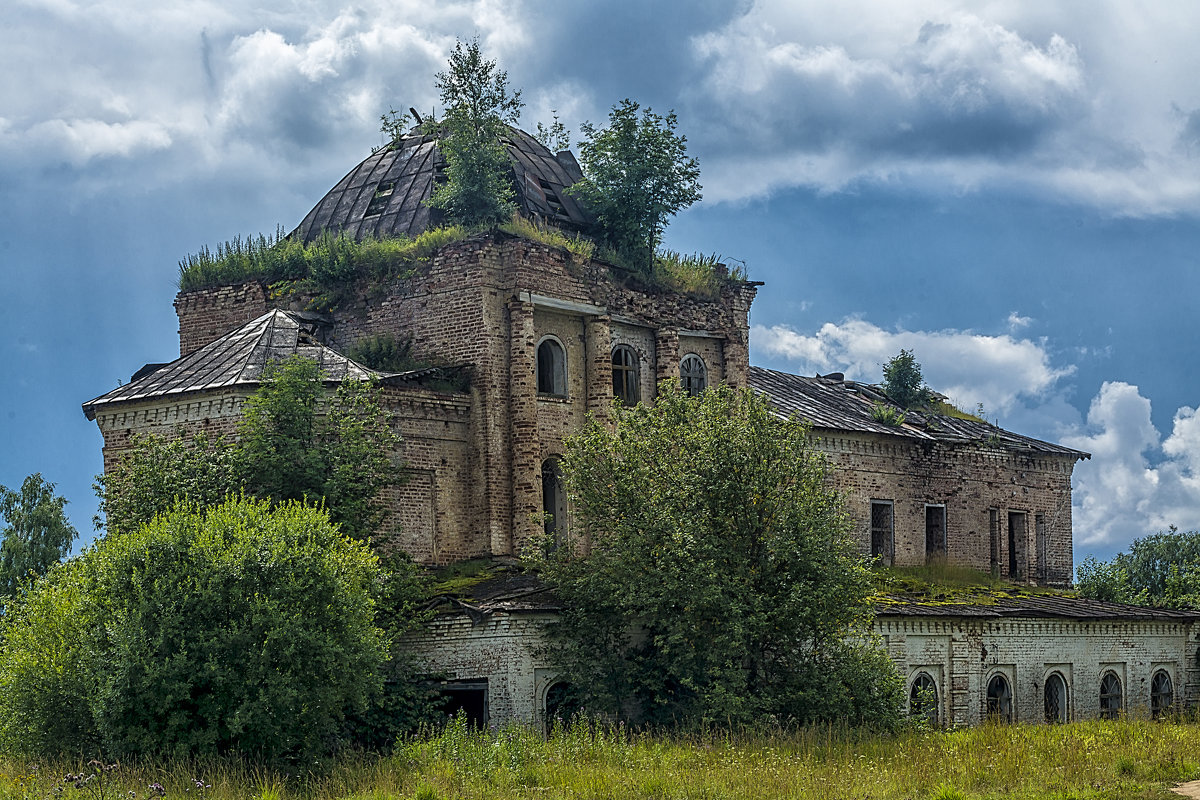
{"type": "Point", "coordinates": [551, 368]}
{"type": "Point", "coordinates": [999, 699]}
{"type": "Point", "coordinates": [1056, 698]}
{"type": "Point", "coordinates": [1110, 696]}
{"type": "Point", "coordinates": [693, 375]}
{"type": "Point", "coordinates": [1162, 694]}
{"type": "Point", "coordinates": [554, 501]}
{"type": "Point", "coordinates": [923, 698]}
{"type": "Point", "coordinates": [625, 375]}
{"type": "Point", "coordinates": [561, 705]}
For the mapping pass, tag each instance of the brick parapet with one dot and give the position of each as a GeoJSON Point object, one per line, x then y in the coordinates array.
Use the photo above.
{"type": "Point", "coordinates": [206, 315]}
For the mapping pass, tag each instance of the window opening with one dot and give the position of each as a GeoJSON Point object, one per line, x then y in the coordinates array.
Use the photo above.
{"type": "Point", "coordinates": [1056, 698]}
{"type": "Point", "coordinates": [1110, 696]}
{"type": "Point", "coordinates": [1016, 544]}
{"type": "Point", "coordinates": [882, 530]}
{"type": "Point", "coordinates": [693, 374]}
{"type": "Point", "coordinates": [1043, 547]}
{"type": "Point", "coordinates": [999, 699]}
{"type": "Point", "coordinates": [561, 705]}
{"type": "Point", "coordinates": [469, 698]}
{"type": "Point", "coordinates": [935, 532]}
{"type": "Point", "coordinates": [994, 537]}
{"type": "Point", "coordinates": [923, 698]}
{"type": "Point", "coordinates": [625, 375]}
{"type": "Point", "coordinates": [554, 501]}
{"type": "Point", "coordinates": [551, 368]}
{"type": "Point", "coordinates": [380, 200]}
{"type": "Point", "coordinates": [1162, 694]}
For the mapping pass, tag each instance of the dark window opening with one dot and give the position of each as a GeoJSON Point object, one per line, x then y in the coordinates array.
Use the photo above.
{"type": "Point", "coordinates": [1162, 694]}
{"type": "Point", "coordinates": [554, 501]}
{"type": "Point", "coordinates": [693, 375]}
{"type": "Point", "coordinates": [551, 369]}
{"type": "Point", "coordinates": [380, 200]}
{"type": "Point", "coordinates": [882, 531]}
{"type": "Point", "coordinates": [1043, 548]}
{"type": "Point", "coordinates": [999, 699]}
{"type": "Point", "coordinates": [1016, 545]}
{"type": "Point", "coordinates": [1110, 696]}
{"type": "Point", "coordinates": [994, 538]}
{"type": "Point", "coordinates": [552, 200]}
{"type": "Point", "coordinates": [469, 698]}
{"type": "Point", "coordinates": [1056, 698]}
{"type": "Point", "coordinates": [561, 705]}
{"type": "Point", "coordinates": [935, 532]}
{"type": "Point", "coordinates": [923, 699]}
{"type": "Point", "coordinates": [625, 375]}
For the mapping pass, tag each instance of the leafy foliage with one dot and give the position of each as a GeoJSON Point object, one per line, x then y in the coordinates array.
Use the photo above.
{"type": "Point", "coordinates": [36, 534]}
{"type": "Point", "coordinates": [887, 415]}
{"type": "Point", "coordinates": [479, 105]}
{"type": "Point", "coordinates": [242, 628]}
{"type": "Point", "coordinates": [637, 175]}
{"type": "Point", "coordinates": [288, 451]}
{"type": "Point", "coordinates": [1161, 570]}
{"type": "Point", "coordinates": [326, 264]}
{"type": "Point", "coordinates": [721, 584]}
{"type": "Point", "coordinates": [555, 137]}
{"type": "Point", "coordinates": [156, 471]}
{"type": "Point", "coordinates": [903, 382]}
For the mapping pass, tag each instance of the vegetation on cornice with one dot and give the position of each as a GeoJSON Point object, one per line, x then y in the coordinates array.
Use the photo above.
{"type": "Point", "coordinates": [328, 267]}
{"type": "Point", "coordinates": [943, 584]}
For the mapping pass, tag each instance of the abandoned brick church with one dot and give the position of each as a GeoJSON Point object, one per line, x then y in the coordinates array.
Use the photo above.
{"type": "Point", "coordinates": [547, 340]}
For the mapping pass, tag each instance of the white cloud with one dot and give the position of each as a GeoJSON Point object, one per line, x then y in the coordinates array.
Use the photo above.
{"type": "Point", "coordinates": [943, 95]}
{"type": "Point", "coordinates": [1133, 486]}
{"type": "Point", "coordinates": [971, 368]}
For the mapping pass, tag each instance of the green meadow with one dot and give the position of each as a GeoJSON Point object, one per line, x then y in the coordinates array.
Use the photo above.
{"type": "Point", "coordinates": [1123, 759]}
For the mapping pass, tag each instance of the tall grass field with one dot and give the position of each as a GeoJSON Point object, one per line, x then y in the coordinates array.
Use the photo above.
{"type": "Point", "coordinates": [1123, 759]}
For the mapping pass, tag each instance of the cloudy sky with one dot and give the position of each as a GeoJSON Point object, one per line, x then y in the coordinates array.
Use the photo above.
{"type": "Point", "coordinates": [1009, 189]}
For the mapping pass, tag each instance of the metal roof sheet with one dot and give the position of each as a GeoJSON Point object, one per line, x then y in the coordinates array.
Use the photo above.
{"type": "Point", "coordinates": [832, 403]}
{"type": "Point", "coordinates": [236, 359]}
{"type": "Point", "coordinates": [1034, 606]}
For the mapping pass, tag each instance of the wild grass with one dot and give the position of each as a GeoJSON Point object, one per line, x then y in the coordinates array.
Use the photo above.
{"type": "Point", "coordinates": [580, 247]}
{"type": "Point", "coordinates": [1086, 760]}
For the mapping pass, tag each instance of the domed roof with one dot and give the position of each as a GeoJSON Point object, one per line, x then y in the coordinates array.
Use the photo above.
{"type": "Point", "coordinates": [385, 195]}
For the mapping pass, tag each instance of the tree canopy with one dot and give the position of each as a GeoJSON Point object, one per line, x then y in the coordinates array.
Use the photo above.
{"type": "Point", "coordinates": [902, 381]}
{"type": "Point", "coordinates": [1161, 570]}
{"type": "Point", "coordinates": [478, 108]}
{"type": "Point", "coordinates": [637, 175]}
{"type": "Point", "coordinates": [35, 535]}
{"type": "Point", "coordinates": [713, 578]}
{"type": "Point", "coordinates": [243, 628]}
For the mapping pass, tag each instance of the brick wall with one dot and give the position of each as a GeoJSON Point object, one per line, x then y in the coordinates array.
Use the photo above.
{"type": "Point", "coordinates": [209, 314]}
{"type": "Point", "coordinates": [962, 656]}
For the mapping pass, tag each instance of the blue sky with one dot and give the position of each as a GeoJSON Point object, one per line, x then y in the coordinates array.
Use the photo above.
{"type": "Point", "coordinates": [1010, 189]}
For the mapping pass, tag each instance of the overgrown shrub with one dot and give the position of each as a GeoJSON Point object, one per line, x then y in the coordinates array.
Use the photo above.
{"type": "Point", "coordinates": [240, 629]}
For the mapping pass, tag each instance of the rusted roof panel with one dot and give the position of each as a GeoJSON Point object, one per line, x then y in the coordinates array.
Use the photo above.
{"type": "Point", "coordinates": [831, 403]}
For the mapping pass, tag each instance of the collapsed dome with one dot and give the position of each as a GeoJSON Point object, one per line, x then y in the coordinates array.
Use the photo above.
{"type": "Point", "coordinates": [385, 196]}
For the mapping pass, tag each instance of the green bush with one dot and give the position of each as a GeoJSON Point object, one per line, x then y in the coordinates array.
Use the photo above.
{"type": "Point", "coordinates": [239, 629]}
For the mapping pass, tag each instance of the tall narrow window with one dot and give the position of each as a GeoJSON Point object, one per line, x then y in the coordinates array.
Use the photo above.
{"type": "Point", "coordinates": [882, 531]}
{"type": "Point", "coordinates": [1056, 698]}
{"type": "Point", "coordinates": [994, 538]}
{"type": "Point", "coordinates": [554, 501]}
{"type": "Point", "coordinates": [999, 699]}
{"type": "Point", "coordinates": [551, 368]}
{"type": "Point", "coordinates": [935, 532]}
{"type": "Point", "coordinates": [380, 199]}
{"type": "Point", "coordinates": [1162, 694]}
{"type": "Point", "coordinates": [1043, 548]}
{"type": "Point", "coordinates": [923, 699]}
{"type": "Point", "coordinates": [625, 375]}
{"type": "Point", "coordinates": [1110, 696]}
{"type": "Point", "coordinates": [693, 375]}
{"type": "Point", "coordinates": [1016, 545]}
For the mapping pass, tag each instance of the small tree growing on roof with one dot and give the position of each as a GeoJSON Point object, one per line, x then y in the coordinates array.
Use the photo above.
{"type": "Point", "coordinates": [902, 381]}
{"type": "Point", "coordinates": [479, 107]}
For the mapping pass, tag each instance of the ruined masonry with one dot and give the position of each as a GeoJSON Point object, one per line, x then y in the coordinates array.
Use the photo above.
{"type": "Point", "coordinates": [545, 341]}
